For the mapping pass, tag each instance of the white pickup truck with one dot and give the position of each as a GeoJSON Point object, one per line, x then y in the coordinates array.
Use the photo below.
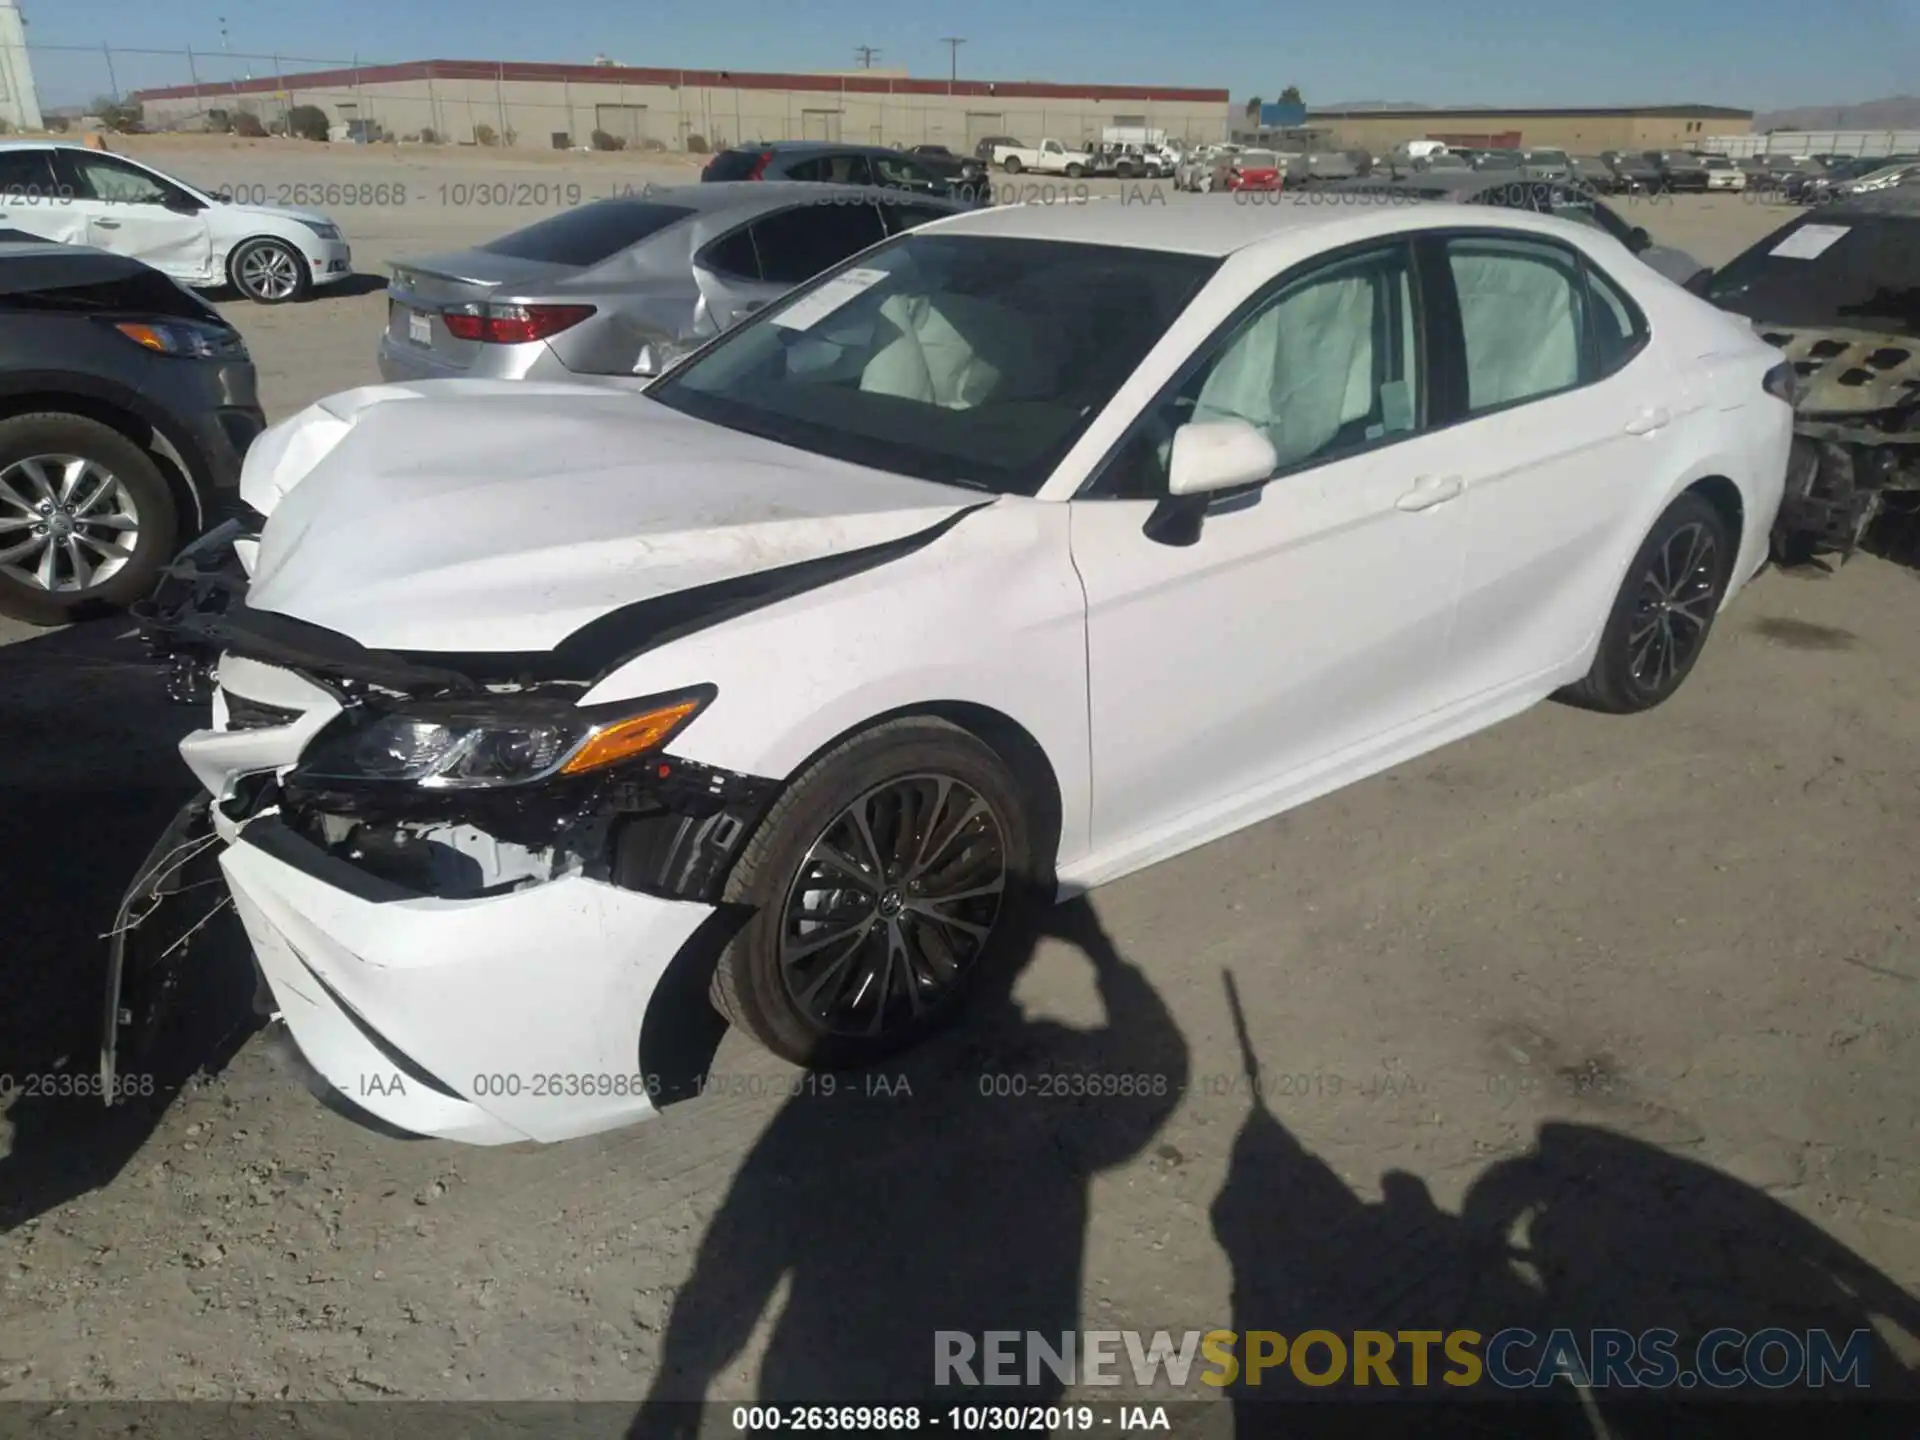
{"type": "Point", "coordinates": [1049, 157]}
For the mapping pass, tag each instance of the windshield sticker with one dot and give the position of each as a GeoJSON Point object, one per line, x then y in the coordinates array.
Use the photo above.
{"type": "Point", "coordinates": [843, 289]}
{"type": "Point", "coordinates": [1809, 241]}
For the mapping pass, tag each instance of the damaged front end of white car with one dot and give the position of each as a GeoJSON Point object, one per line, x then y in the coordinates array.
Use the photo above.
{"type": "Point", "coordinates": [402, 829]}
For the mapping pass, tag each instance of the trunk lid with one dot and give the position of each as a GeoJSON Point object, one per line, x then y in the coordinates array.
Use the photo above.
{"type": "Point", "coordinates": [421, 290]}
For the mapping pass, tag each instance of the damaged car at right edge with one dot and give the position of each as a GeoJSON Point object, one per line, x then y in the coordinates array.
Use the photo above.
{"type": "Point", "coordinates": [1839, 292]}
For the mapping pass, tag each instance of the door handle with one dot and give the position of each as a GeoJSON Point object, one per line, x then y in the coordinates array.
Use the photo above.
{"type": "Point", "coordinates": [108, 224]}
{"type": "Point", "coordinates": [1648, 421]}
{"type": "Point", "coordinates": [1429, 491]}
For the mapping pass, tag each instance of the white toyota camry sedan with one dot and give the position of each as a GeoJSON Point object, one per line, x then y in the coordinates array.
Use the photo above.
{"type": "Point", "coordinates": [945, 584]}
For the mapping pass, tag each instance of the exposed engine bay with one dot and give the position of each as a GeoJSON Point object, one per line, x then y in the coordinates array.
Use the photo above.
{"type": "Point", "coordinates": [1856, 453]}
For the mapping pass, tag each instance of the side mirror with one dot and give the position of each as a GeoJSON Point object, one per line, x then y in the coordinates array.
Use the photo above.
{"type": "Point", "coordinates": [1639, 240]}
{"type": "Point", "coordinates": [225, 197]}
{"type": "Point", "coordinates": [181, 203]}
{"type": "Point", "coordinates": [1214, 455]}
{"type": "Point", "coordinates": [1208, 459]}
{"type": "Point", "coordinates": [1699, 283]}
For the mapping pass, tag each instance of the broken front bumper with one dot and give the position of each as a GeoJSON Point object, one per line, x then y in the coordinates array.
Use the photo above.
{"type": "Point", "coordinates": [513, 1017]}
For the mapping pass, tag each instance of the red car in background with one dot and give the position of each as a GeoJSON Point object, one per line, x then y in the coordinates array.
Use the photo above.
{"type": "Point", "coordinates": [1254, 170]}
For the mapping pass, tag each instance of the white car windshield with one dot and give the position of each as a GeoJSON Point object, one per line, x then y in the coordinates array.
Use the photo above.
{"type": "Point", "coordinates": [974, 360]}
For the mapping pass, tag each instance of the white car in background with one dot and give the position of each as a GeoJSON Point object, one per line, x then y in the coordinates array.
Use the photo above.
{"type": "Point", "coordinates": [940, 588]}
{"type": "Point", "coordinates": [73, 195]}
{"type": "Point", "coordinates": [1723, 174]}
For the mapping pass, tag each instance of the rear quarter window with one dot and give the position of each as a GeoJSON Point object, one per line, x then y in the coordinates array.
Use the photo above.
{"type": "Point", "coordinates": [588, 235]}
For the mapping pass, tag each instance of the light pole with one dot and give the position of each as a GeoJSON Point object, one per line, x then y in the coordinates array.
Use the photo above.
{"type": "Point", "coordinates": [953, 44]}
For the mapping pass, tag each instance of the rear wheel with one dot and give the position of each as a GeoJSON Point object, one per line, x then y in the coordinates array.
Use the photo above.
{"type": "Point", "coordinates": [1011, 164]}
{"type": "Point", "coordinates": [887, 879]}
{"type": "Point", "coordinates": [1663, 613]}
{"type": "Point", "coordinates": [86, 519]}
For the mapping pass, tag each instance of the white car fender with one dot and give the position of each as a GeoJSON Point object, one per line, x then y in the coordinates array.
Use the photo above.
{"type": "Point", "coordinates": [797, 676]}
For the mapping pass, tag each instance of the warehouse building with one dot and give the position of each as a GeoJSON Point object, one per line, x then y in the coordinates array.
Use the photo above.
{"type": "Point", "coordinates": [1579, 132]}
{"type": "Point", "coordinates": [563, 106]}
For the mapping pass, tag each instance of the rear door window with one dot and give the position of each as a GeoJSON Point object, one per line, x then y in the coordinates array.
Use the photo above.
{"type": "Point", "coordinates": [905, 217]}
{"type": "Point", "coordinates": [798, 244]}
{"type": "Point", "coordinates": [589, 234]}
{"type": "Point", "coordinates": [832, 170]}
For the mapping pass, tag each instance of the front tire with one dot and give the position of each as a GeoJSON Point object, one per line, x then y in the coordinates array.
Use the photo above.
{"type": "Point", "coordinates": [270, 272]}
{"type": "Point", "coordinates": [86, 519]}
{"type": "Point", "coordinates": [1664, 612]}
{"type": "Point", "coordinates": [1074, 172]}
{"type": "Point", "coordinates": [893, 874]}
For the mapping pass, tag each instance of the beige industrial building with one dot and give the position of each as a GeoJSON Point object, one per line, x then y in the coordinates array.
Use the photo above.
{"type": "Point", "coordinates": [563, 106]}
{"type": "Point", "coordinates": [1579, 132]}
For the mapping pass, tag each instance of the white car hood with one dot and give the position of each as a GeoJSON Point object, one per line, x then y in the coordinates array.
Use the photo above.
{"type": "Point", "coordinates": [502, 516]}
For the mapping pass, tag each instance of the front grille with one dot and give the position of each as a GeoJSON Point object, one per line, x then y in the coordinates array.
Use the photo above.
{"type": "Point", "coordinates": [245, 714]}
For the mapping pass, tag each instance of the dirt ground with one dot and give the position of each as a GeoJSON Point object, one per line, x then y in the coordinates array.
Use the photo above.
{"type": "Point", "coordinates": [1639, 997]}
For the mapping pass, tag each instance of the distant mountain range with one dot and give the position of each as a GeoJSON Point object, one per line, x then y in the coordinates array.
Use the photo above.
{"type": "Point", "coordinates": [1896, 112]}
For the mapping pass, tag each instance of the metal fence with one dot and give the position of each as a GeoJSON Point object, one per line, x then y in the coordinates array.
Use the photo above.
{"type": "Point", "coordinates": [482, 104]}
{"type": "Point", "coordinates": [1864, 143]}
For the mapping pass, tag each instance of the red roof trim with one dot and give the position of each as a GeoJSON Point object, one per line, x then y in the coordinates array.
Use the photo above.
{"type": "Point", "coordinates": [633, 75]}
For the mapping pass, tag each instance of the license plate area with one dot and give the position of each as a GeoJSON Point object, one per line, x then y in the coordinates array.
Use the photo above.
{"type": "Point", "coordinates": [419, 327]}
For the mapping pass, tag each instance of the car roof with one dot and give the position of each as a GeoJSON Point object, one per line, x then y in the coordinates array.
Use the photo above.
{"type": "Point", "coordinates": [1223, 224]}
{"type": "Point", "coordinates": [42, 265]}
{"type": "Point", "coordinates": [771, 194]}
{"type": "Point", "coordinates": [1902, 201]}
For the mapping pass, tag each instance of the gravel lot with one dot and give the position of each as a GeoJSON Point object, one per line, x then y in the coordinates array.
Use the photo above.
{"type": "Point", "coordinates": [1641, 995]}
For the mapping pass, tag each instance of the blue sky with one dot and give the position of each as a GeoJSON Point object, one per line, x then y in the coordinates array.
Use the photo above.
{"type": "Point", "coordinates": [1760, 53]}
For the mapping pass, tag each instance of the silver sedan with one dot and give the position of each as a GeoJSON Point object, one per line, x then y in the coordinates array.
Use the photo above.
{"type": "Point", "coordinates": [614, 291]}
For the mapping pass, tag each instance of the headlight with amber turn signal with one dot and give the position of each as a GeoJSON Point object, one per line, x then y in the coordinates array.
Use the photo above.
{"type": "Point", "coordinates": [479, 744]}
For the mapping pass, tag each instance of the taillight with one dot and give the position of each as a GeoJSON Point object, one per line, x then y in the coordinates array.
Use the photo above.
{"type": "Point", "coordinates": [511, 324]}
{"type": "Point", "coordinates": [1781, 382]}
{"type": "Point", "coordinates": [760, 165]}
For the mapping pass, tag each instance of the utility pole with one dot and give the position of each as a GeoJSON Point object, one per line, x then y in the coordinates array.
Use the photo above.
{"type": "Point", "coordinates": [953, 44]}
{"type": "Point", "coordinates": [865, 53]}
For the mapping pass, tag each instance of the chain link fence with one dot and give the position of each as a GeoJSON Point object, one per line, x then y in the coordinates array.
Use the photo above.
{"type": "Point", "coordinates": [519, 106]}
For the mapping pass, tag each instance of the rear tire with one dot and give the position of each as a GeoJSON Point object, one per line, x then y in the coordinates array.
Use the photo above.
{"type": "Point", "coordinates": [1011, 164]}
{"type": "Point", "coordinates": [1664, 612]}
{"type": "Point", "coordinates": [825, 932]}
{"type": "Point", "coordinates": [120, 515]}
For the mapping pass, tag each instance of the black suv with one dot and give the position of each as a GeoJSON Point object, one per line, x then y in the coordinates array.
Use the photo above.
{"type": "Point", "coordinates": [126, 404]}
{"type": "Point", "coordinates": [834, 164]}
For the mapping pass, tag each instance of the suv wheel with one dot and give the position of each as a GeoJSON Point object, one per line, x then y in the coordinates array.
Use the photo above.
{"type": "Point", "coordinates": [86, 519]}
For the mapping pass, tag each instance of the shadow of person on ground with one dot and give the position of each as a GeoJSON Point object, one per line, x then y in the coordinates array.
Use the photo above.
{"type": "Point", "coordinates": [959, 1207]}
{"type": "Point", "coordinates": [89, 777]}
{"type": "Point", "coordinates": [1589, 1230]}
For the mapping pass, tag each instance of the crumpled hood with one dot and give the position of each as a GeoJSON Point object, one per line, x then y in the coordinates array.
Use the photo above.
{"type": "Point", "coordinates": [502, 516]}
{"type": "Point", "coordinates": [1847, 372]}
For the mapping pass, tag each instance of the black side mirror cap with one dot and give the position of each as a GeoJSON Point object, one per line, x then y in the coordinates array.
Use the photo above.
{"type": "Point", "coordinates": [1699, 282]}
{"type": "Point", "coordinates": [1176, 520]}
{"type": "Point", "coordinates": [1639, 240]}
